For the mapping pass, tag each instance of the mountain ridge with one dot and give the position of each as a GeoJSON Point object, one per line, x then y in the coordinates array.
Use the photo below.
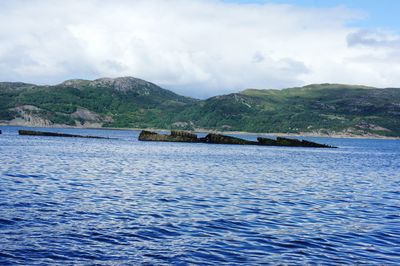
{"type": "Point", "coordinates": [128, 102]}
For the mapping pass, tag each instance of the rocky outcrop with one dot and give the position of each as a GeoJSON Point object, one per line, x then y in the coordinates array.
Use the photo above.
{"type": "Point", "coordinates": [212, 138]}
{"type": "Point", "coordinates": [123, 84]}
{"type": "Point", "coordinates": [29, 115]}
{"type": "Point", "coordinates": [54, 134]}
{"type": "Point", "coordinates": [85, 115]}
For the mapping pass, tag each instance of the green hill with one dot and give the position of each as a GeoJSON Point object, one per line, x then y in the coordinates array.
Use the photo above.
{"type": "Point", "coordinates": [134, 103]}
{"type": "Point", "coordinates": [321, 108]}
{"type": "Point", "coordinates": [120, 102]}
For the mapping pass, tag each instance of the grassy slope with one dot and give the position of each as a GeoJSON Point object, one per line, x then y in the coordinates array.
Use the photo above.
{"type": "Point", "coordinates": [322, 108]}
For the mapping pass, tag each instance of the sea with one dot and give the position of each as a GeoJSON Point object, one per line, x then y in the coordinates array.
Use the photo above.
{"type": "Point", "coordinates": [119, 201]}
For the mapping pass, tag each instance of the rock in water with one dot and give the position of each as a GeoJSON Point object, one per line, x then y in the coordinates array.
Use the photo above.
{"type": "Point", "coordinates": [150, 136]}
{"type": "Point", "coordinates": [176, 136]}
{"type": "Point", "coordinates": [212, 138]}
{"type": "Point", "coordinates": [184, 135]}
{"type": "Point", "coordinates": [315, 145]}
{"type": "Point", "coordinates": [280, 141]}
{"type": "Point", "coordinates": [222, 139]}
{"type": "Point", "coordinates": [54, 134]}
{"type": "Point", "coordinates": [267, 141]}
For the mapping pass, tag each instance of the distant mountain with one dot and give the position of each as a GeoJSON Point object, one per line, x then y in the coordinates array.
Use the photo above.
{"type": "Point", "coordinates": [134, 103]}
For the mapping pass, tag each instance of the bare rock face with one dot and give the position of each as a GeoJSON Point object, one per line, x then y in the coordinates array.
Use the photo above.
{"type": "Point", "coordinates": [86, 115]}
{"type": "Point", "coordinates": [122, 84]}
{"type": "Point", "coordinates": [75, 83]}
{"type": "Point", "coordinates": [29, 115]}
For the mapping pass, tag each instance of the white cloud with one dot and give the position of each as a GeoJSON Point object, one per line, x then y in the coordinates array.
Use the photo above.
{"type": "Point", "coordinates": [198, 48]}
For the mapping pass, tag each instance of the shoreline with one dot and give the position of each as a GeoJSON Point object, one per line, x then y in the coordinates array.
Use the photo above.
{"type": "Point", "coordinates": [280, 134]}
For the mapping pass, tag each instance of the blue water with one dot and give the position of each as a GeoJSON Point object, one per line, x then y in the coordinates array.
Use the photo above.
{"type": "Point", "coordinates": [120, 201]}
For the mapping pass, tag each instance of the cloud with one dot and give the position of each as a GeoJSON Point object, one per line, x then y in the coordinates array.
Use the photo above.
{"type": "Point", "coordinates": [374, 38]}
{"type": "Point", "coordinates": [198, 48]}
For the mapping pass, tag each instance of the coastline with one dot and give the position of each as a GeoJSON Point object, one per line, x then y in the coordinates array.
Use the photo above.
{"type": "Point", "coordinates": [202, 130]}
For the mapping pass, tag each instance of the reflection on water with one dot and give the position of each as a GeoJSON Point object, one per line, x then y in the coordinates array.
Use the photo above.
{"type": "Point", "coordinates": [121, 201]}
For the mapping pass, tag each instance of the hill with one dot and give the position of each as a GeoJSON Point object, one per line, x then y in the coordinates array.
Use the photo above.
{"type": "Point", "coordinates": [120, 102]}
{"type": "Point", "coordinates": [323, 109]}
{"type": "Point", "coordinates": [133, 103]}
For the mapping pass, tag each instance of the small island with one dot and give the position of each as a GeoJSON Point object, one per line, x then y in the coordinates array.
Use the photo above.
{"type": "Point", "coordinates": [213, 138]}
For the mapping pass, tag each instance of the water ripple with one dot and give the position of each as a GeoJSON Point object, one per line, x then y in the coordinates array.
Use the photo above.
{"type": "Point", "coordinates": [124, 202]}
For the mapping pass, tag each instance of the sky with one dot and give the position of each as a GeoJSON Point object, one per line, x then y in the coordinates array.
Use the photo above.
{"type": "Point", "coordinates": [202, 48]}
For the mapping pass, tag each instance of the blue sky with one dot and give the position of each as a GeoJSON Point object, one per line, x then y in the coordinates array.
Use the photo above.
{"type": "Point", "coordinates": [379, 13]}
{"type": "Point", "coordinates": [202, 48]}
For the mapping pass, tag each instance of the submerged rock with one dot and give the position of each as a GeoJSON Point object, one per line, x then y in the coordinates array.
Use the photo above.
{"type": "Point", "coordinates": [54, 134]}
{"type": "Point", "coordinates": [212, 138]}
